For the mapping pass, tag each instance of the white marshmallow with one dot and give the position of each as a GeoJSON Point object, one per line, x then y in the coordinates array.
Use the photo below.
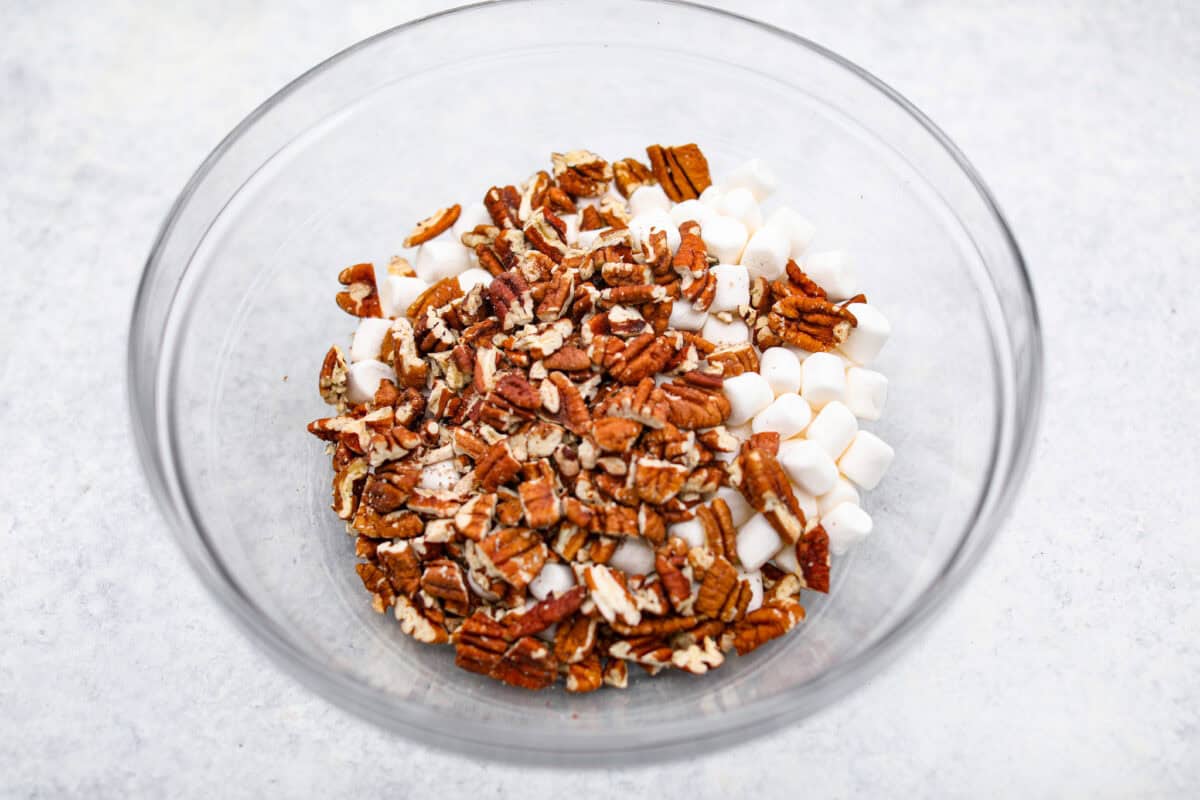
{"type": "Point", "coordinates": [473, 214]}
{"type": "Point", "coordinates": [796, 229]}
{"type": "Point", "coordinates": [720, 333]}
{"type": "Point", "coordinates": [842, 492]}
{"type": "Point", "coordinates": [633, 557]}
{"type": "Point", "coordinates": [822, 379]}
{"type": "Point", "coordinates": [725, 238]}
{"type": "Point", "coordinates": [438, 477]}
{"type": "Point", "coordinates": [397, 293]}
{"type": "Point", "coordinates": [650, 197]}
{"type": "Point", "coordinates": [368, 338]}
{"type": "Point", "coordinates": [364, 377]}
{"type": "Point", "coordinates": [766, 254]}
{"type": "Point", "coordinates": [788, 415]}
{"type": "Point", "coordinates": [571, 221]}
{"type": "Point", "coordinates": [475, 276]}
{"type": "Point", "coordinates": [642, 225]}
{"type": "Point", "coordinates": [748, 393]}
{"type": "Point", "coordinates": [441, 258]}
{"type": "Point", "coordinates": [846, 525]}
{"type": "Point", "coordinates": [869, 336]}
{"type": "Point", "coordinates": [685, 317]}
{"type": "Point", "coordinates": [587, 238]}
{"type": "Point", "coordinates": [866, 392]}
{"type": "Point", "coordinates": [754, 175]}
{"type": "Point", "coordinates": [739, 509]}
{"type": "Point", "coordinates": [711, 196]}
{"type": "Point", "coordinates": [786, 559]}
{"type": "Point", "coordinates": [866, 459]}
{"type": "Point", "coordinates": [755, 579]}
{"type": "Point", "coordinates": [691, 531]}
{"type": "Point", "coordinates": [808, 504]}
{"type": "Point", "coordinates": [781, 368]}
{"type": "Point", "coordinates": [834, 428]}
{"type": "Point", "coordinates": [733, 287]}
{"type": "Point", "coordinates": [757, 541]}
{"type": "Point", "coordinates": [554, 578]}
{"type": "Point", "coordinates": [832, 271]}
{"type": "Point", "coordinates": [808, 465]}
{"type": "Point", "coordinates": [740, 204]}
{"type": "Point", "coordinates": [692, 210]}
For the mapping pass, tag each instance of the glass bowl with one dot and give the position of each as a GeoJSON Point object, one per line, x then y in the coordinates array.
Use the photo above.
{"type": "Point", "coordinates": [235, 311]}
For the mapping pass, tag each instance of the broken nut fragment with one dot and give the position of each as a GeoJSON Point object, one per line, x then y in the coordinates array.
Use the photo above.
{"type": "Point", "coordinates": [433, 225]}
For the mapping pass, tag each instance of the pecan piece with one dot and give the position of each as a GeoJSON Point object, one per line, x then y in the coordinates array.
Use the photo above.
{"type": "Point", "coordinates": [631, 174]}
{"type": "Point", "coordinates": [615, 434]}
{"type": "Point", "coordinates": [719, 531]}
{"type": "Point", "coordinates": [433, 225]}
{"type": "Point", "coordinates": [581, 173]}
{"type": "Point", "coordinates": [682, 170]}
{"type": "Point", "coordinates": [772, 620]}
{"type": "Point", "coordinates": [396, 525]}
{"type": "Point", "coordinates": [609, 592]}
{"type": "Point", "coordinates": [502, 204]}
{"type": "Point", "coordinates": [445, 580]}
{"type": "Point", "coordinates": [691, 408]}
{"type": "Point", "coordinates": [436, 296]}
{"type": "Point", "coordinates": [812, 553]}
{"type": "Point", "coordinates": [692, 256]}
{"type": "Point", "coordinates": [722, 595]}
{"type": "Point", "coordinates": [332, 381]}
{"type": "Point", "coordinates": [734, 359]}
{"type": "Point", "coordinates": [698, 658]}
{"type": "Point", "coordinates": [497, 467]}
{"type": "Point", "coordinates": [572, 410]}
{"type": "Point", "coordinates": [515, 555]}
{"type": "Point", "coordinates": [616, 673]}
{"type": "Point", "coordinates": [376, 582]}
{"type": "Point", "coordinates": [541, 506]}
{"type": "Point", "coordinates": [548, 612]}
{"type": "Point", "coordinates": [658, 481]}
{"type": "Point", "coordinates": [511, 299]}
{"type": "Point", "coordinates": [347, 487]}
{"type": "Point", "coordinates": [568, 359]}
{"type": "Point", "coordinates": [757, 474]}
{"type": "Point", "coordinates": [586, 676]}
{"type": "Point", "coordinates": [481, 647]}
{"type": "Point", "coordinates": [642, 358]}
{"type": "Point", "coordinates": [416, 620]}
{"type": "Point", "coordinates": [575, 638]}
{"type": "Point", "coordinates": [811, 323]}
{"type": "Point", "coordinates": [474, 517]}
{"type": "Point", "coordinates": [389, 488]}
{"type": "Point", "coordinates": [361, 297]}
{"type": "Point", "coordinates": [670, 562]}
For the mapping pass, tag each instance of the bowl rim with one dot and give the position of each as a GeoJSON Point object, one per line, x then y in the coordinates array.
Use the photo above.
{"type": "Point", "coordinates": [587, 748]}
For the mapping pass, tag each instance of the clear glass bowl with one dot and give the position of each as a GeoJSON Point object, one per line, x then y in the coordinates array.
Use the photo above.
{"type": "Point", "coordinates": [235, 311]}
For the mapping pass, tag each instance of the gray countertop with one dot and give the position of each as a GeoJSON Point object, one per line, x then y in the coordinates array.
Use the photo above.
{"type": "Point", "coordinates": [1067, 666]}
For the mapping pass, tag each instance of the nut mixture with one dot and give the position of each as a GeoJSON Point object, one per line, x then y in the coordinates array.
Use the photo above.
{"type": "Point", "coordinates": [551, 416]}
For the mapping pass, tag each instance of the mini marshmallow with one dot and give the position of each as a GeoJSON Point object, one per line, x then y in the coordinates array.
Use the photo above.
{"type": "Point", "coordinates": [725, 238]}
{"type": "Point", "coordinates": [869, 336]}
{"type": "Point", "coordinates": [796, 229]}
{"type": "Point", "coordinates": [781, 368]}
{"type": "Point", "coordinates": [441, 258]}
{"type": "Point", "coordinates": [786, 559]}
{"type": "Point", "coordinates": [808, 465]}
{"type": "Point", "coordinates": [473, 277]}
{"type": "Point", "coordinates": [364, 377]}
{"type": "Point", "coordinates": [788, 415]}
{"type": "Point", "coordinates": [822, 379]}
{"type": "Point", "coordinates": [691, 531]}
{"type": "Point", "coordinates": [755, 579]}
{"type": "Point", "coordinates": [733, 287]}
{"type": "Point", "coordinates": [866, 392]}
{"type": "Point", "coordinates": [866, 459]}
{"type": "Point", "coordinates": [834, 428]}
{"type": "Point", "coordinates": [711, 196]}
{"type": "Point", "coordinates": [757, 541]}
{"type": "Point", "coordinates": [808, 504]}
{"type": "Point", "coordinates": [642, 225]}
{"type": "Point", "coordinates": [766, 254]}
{"type": "Point", "coordinates": [832, 271]}
{"type": "Point", "coordinates": [739, 509]}
{"type": "Point", "coordinates": [554, 578]}
{"type": "Point", "coordinates": [754, 175]}
{"type": "Point", "coordinates": [649, 197]}
{"type": "Point", "coordinates": [740, 204]}
{"type": "Point", "coordinates": [842, 492]}
{"type": "Point", "coordinates": [692, 210]}
{"type": "Point", "coordinates": [633, 557]}
{"type": "Point", "coordinates": [368, 338]}
{"type": "Point", "coordinates": [720, 333]}
{"type": "Point", "coordinates": [587, 238]}
{"type": "Point", "coordinates": [571, 221]}
{"type": "Point", "coordinates": [748, 393]}
{"type": "Point", "coordinates": [397, 293]}
{"type": "Point", "coordinates": [472, 214]}
{"type": "Point", "coordinates": [846, 526]}
{"type": "Point", "coordinates": [685, 317]}
{"type": "Point", "coordinates": [438, 477]}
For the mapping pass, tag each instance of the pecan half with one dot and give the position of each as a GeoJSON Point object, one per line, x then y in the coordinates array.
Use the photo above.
{"type": "Point", "coordinates": [614, 434]}
{"type": "Point", "coordinates": [722, 595]}
{"type": "Point", "coordinates": [811, 323]}
{"type": "Point", "coordinates": [772, 620]}
{"type": "Point", "coordinates": [433, 225]}
{"type": "Point", "coordinates": [682, 170]}
{"type": "Point", "coordinates": [691, 408]}
{"type": "Point", "coordinates": [658, 481]}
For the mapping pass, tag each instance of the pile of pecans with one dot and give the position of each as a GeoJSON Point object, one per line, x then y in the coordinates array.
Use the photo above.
{"type": "Point", "coordinates": [512, 477]}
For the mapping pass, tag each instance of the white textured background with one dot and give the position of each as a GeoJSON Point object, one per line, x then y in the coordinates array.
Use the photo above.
{"type": "Point", "coordinates": [1068, 666]}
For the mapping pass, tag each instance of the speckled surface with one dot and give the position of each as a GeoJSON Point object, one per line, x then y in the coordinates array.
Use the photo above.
{"type": "Point", "coordinates": [1067, 667]}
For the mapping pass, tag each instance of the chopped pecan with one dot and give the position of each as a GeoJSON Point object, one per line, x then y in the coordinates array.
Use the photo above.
{"type": "Point", "coordinates": [557, 299]}
{"type": "Point", "coordinates": [541, 505]}
{"type": "Point", "coordinates": [389, 488]}
{"type": "Point", "coordinates": [719, 531]}
{"type": "Point", "coordinates": [396, 525]}
{"type": "Point", "coordinates": [332, 381]}
{"type": "Point", "coordinates": [670, 562]}
{"type": "Point", "coordinates": [572, 410]}
{"type": "Point", "coordinates": [474, 517]}
{"type": "Point", "coordinates": [698, 658]}
{"type": "Point", "coordinates": [575, 638]}
{"type": "Point", "coordinates": [444, 580]}
{"type": "Point", "coordinates": [799, 281]}
{"type": "Point", "coordinates": [436, 296]}
{"type": "Point", "coordinates": [642, 358]}
{"type": "Point", "coordinates": [682, 170]}
{"type": "Point", "coordinates": [545, 236]}
{"type": "Point", "coordinates": [614, 520]}
{"type": "Point", "coordinates": [734, 359]}
{"type": "Point", "coordinates": [586, 676]}
{"type": "Point", "coordinates": [542, 615]}
{"type": "Point", "coordinates": [502, 204]}
{"type": "Point", "coordinates": [772, 620]}
{"type": "Point", "coordinates": [433, 225]}
{"type": "Point", "coordinates": [376, 582]}
{"type": "Point", "coordinates": [614, 434]}
{"type": "Point", "coordinates": [481, 647]}
{"type": "Point", "coordinates": [411, 369]}
{"type": "Point", "coordinates": [630, 174]}
{"type": "Point", "coordinates": [646, 403]}
{"type": "Point", "coordinates": [757, 474]}
{"type": "Point", "coordinates": [608, 591]}
{"type": "Point", "coordinates": [415, 620]}
{"type": "Point", "coordinates": [658, 481]}
{"type": "Point", "coordinates": [692, 256]}
{"type": "Point", "coordinates": [581, 173]}
{"type": "Point", "coordinates": [347, 486]}
{"type": "Point", "coordinates": [650, 651]}
{"type": "Point", "coordinates": [511, 299]}
{"type": "Point", "coordinates": [361, 297]}
{"type": "Point", "coordinates": [514, 554]}
{"type": "Point", "coordinates": [811, 323]}
{"type": "Point", "coordinates": [722, 595]}
{"type": "Point", "coordinates": [568, 359]}
{"type": "Point", "coordinates": [497, 467]}
{"type": "Point", "coordinates": [691, 408]}
{"type": "Point", "coordinates": [812, 553]}
{"type": "Point", "coordinates": [516, 390]}
{"type": "Point", "coordinates": [616, 673]}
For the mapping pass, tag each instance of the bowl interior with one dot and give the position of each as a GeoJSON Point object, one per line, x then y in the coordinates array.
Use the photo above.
{"type": "Point", "coordinates": [336, 171]}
